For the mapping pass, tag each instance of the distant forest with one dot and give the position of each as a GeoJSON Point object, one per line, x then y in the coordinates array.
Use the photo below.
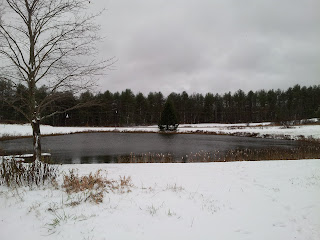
{"type": "Point", "coordinates": [128, 109]}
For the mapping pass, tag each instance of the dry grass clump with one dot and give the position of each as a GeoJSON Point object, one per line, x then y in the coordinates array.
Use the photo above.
{"type": "Point", "coordinates": [72, 183]}
{"type": "Point", "coordinates": [175, 188]}
{"type": "Point", "coordinates": [147, 158]}
{"type": "Point", "coordinates": [125, 182]}
{"type": "Point", "coordinates": [14, 173]}
{"type": "Point", "coordinates": [123, 185]}
{"type": "Point", "coordinates": [93, 186]}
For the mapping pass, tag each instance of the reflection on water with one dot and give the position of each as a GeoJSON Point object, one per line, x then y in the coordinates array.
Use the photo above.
{"type": "Point", "coordinates": [108, 147]}
{"type": "Point", "coordinates": [90, 159]}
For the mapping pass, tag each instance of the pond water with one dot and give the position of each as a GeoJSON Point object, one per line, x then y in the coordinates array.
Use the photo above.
{"type": "Point", "coordinates": [108, 147]}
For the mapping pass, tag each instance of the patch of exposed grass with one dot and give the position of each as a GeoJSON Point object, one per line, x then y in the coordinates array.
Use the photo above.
{"type": "Point", "coordinates": [59, 218]}
{"type": "Point", "coordinates": [153, 210]}
{"type": "Point", "coordinates": [174, 188]}
{"type": "Point", "coordinates": [171, 213]}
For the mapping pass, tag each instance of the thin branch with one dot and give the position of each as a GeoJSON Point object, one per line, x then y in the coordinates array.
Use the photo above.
{"type": "Point", "coordinates": [9, 38]}
{"type": "Point", "coordinates": [17, 109]}
{"type": "Point", "coordinates": [77, 106]}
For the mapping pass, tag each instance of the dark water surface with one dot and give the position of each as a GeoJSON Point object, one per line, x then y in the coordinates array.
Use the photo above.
{"type": "Point", "coordinates": [107, 147]}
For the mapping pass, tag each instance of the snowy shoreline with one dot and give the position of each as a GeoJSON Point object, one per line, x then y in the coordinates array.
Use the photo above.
{"type": "Point", "coordinates": [260, 130]}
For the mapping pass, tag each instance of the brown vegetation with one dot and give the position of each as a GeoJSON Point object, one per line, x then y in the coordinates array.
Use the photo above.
{"type": "Point", "coordinates": [15, 174]}
{"type": "Point", "coordinates": [94, 185]}
{"type": "Point", "coordinates": [305, 151]}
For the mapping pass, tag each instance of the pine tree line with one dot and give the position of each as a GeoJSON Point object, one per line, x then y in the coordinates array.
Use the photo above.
{"type": "Point", "coordinates": [128, 109]}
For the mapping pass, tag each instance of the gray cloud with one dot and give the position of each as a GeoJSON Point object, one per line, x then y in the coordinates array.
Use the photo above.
{"type": "Point", "coordinates": [210, 45]}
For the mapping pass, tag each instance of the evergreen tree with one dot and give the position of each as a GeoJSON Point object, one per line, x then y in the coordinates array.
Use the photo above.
{"type": "Point", "coordinates": [127, 108]}
{"type": "Point", "coordinates": [169, 120]}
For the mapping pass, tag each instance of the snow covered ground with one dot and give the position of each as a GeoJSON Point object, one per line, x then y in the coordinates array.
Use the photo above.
{"type": "Point", "coordinates": [253, 129]}
{"type": "Point", "coordinates": [269, 131]}
{"type": "Point", "coordinates": [233, 200]}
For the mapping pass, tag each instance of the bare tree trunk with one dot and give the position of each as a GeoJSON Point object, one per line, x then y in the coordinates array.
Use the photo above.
{"type": "Point", "coordinates": [45, 45]}
{"type": "Point", "coordinates": [36, 140]}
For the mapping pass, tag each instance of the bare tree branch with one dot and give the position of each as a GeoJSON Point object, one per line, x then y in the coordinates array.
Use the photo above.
{"type": "Point", "coordinates": [52, 44]}
{"type": "Point", "coordinates": [77, 106]}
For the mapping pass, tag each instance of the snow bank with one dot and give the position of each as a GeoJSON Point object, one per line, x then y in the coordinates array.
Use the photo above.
{"type": "Point", "coordinates": [234, 200]}
{"type": "Point", "coordinates": [26, 130]}
{"type": "Point", "coordinates": [294, 132]}
{"type": "Point", "coordinates": [253, 129]}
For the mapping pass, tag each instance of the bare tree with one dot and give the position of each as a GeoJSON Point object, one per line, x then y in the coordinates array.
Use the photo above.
{"type": "Point", "coordinates": [48, 43]}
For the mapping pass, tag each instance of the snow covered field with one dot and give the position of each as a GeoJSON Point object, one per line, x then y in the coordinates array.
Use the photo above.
{"type": "Point", "coordinates": [233, 200]}
{"type": "Point", "coordinates": [256, 129]}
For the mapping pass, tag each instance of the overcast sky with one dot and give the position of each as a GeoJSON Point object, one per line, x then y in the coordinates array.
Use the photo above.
{"type": "Point", "coordinates": [210, 45]}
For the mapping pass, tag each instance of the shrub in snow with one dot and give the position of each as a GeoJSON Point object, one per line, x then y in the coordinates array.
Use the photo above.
{"type": "Point", "coordinates": [14, 173]}
{"type": "Point", "coordinates": [92, 187]}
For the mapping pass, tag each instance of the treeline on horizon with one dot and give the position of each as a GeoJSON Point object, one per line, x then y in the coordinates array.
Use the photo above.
{"type": "Point", "coordinates": [129, 109]}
